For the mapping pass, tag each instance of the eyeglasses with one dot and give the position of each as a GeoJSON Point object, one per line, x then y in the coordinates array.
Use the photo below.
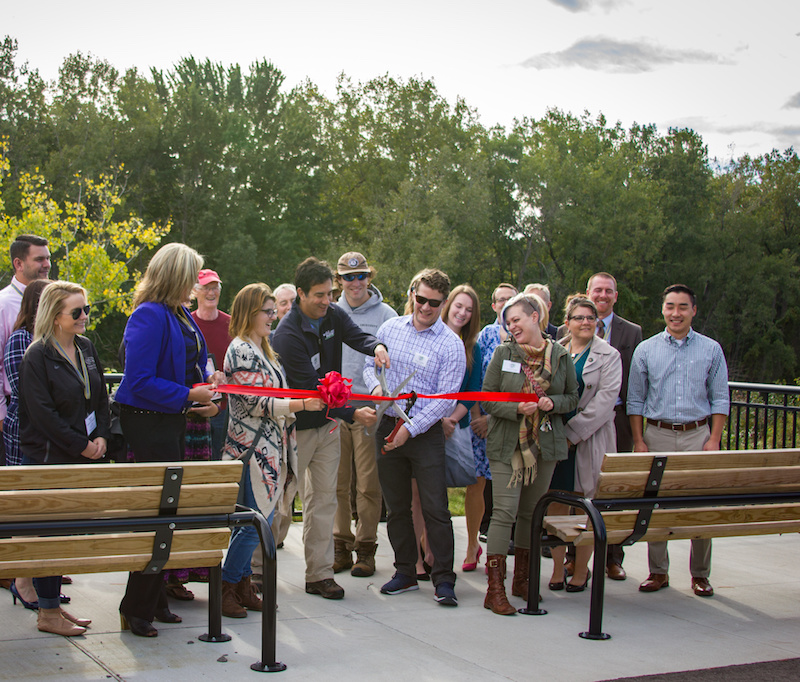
{"type": "Point", "coordinates": [350, 276]}
{"type": "Point", "coordinates": [271, 312]}
{"type": "Point", "coordinates": [76, 312]}
{"type": "Point", "coordinates": [432, 302]}
{"type": "Point", "coordinates": [581, 318]}
{"type": "Point", "coordinates": [502, 300]}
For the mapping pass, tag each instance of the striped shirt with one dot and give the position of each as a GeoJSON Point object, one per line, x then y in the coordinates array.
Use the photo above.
{"type": "Point", "coordinates": [678, 382]}
{"type": "Point", "coordinates": [437, 355]}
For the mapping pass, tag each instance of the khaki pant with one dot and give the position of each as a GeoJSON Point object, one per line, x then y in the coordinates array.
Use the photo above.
{"type": "Point", "coordinates": [664, 440]}
{"type": "Point", "coordinates": [318, 466]}
{"type": "Point", "coordinates": [357, 461]}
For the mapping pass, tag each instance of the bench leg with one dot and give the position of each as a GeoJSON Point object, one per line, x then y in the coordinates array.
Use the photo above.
{"type": "Point", "coordinates": [598, 579]}
{"type": "Point", "coordinates": [269, 616]}
{"type": "Point", "coordinates": [215, 633]}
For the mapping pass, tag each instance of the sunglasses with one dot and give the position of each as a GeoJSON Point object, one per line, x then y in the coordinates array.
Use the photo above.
{"type": "Point", "coordinates": [432, 302]}
{"type": "Point", "coordinates": [76, 312]}
{"type": "Point", "coordinates": [350, 276]}
{"type": "Point", "coordinates": [271, 312]}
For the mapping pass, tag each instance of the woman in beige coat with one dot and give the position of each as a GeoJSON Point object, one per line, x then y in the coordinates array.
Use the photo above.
{"type": "Point", "coordinates": [590, 429]}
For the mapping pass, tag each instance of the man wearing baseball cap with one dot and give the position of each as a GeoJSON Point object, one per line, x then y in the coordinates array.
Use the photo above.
{"type": "Point", "coordinates": [363, 302]}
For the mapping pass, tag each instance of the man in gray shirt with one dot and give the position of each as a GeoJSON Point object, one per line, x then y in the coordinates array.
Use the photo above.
{"type": "Point", "coordinates": [362, 301]}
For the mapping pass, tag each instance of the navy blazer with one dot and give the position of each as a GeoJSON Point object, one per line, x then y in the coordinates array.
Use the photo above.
{"type": "Point", "coordinates": [155, 360]}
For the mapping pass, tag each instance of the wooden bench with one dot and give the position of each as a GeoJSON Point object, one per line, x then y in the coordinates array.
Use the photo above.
{"type": "Point", "coordinates": [94, 518]}
{"type": "Point", "coordinates": [669, 496]}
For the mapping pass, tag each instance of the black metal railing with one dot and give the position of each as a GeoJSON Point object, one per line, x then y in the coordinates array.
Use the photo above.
{"type": "Point", "coordinates": [762, 416]}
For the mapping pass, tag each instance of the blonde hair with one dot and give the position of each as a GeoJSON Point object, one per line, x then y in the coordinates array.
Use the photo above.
{"type": "Point", "coordinates": [469, 332]}
{"type": "Point", "coordinates": [248, 303]}
{"type": "Point", "coordinates": [170, 276]}
{"type": "Point", "coordinates": [532, 302]}
{"type": "Point", "coordinates": [50, 305]}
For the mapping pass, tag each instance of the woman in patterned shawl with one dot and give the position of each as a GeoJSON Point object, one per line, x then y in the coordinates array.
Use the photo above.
{"type": "Point", "coordinates": [260, 431]}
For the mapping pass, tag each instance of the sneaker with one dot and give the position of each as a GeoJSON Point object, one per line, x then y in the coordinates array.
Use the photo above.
{"type": "Point", "coordinates": [400, 583]}
{"type": "Point", "coordinates": [327, 588]}
{"type": "Point", "coordinates": [446, 595]}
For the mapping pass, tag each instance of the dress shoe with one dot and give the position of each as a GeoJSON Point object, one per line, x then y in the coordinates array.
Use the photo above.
{"type": "Point", "coordinates": [138, 626]}
{"type": "Point", "coordinates": [52, 620]}
{"type": "Point", "coordinates": [165, 616]}
{"type": "Point", "coordinates": [179, 592]}
{"type": "Point", "coordinates": [702, 588]}
{"type": "Point", "coordinates": [616, 572]}
{"type": "Point", "coordinates": [654, 582]}
{"type": "Point", "coordinates": [325, 588]}
{"type": "Point", "coordinates": [557, 586]}
{"type": "Point", "coordinates": [80, 622]}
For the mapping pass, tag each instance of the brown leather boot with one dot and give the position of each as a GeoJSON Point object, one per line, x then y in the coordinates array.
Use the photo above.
{"type": "Point", "coordinates": [230, 601]}
{"type": "Point", "coordinates": [52, 620]}
{"type": "Point", "coordinates": [247, 596]}
{"type": "Point", "coordinates": [496, 599]}
{"type": "Point", "coordinates": [342, 557]}
{"type": "Point", "coordinates": [365, 560]}
{"type": "Point", "coordinates": [519, 586]}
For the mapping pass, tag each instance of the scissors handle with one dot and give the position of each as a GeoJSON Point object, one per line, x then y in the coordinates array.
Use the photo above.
{"type": "Point", "coordinates": [391, 436]}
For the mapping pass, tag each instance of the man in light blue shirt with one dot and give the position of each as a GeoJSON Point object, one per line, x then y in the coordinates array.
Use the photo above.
{"type": "Point", "coordinates": [679, 385]}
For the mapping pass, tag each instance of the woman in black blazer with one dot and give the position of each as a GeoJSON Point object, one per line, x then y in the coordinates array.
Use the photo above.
{"type": "Point", "coordinates": [63, 412]}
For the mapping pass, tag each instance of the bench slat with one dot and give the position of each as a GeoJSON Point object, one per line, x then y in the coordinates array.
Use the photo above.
{"type": "Point", "coordinates": [720, 459]}
{"type": "Point", "coordinates": [686, 483]}
{"type": "Point", "coordinates": [115, 475]}
{"type": "Point", "coordinates": [133, 562]}
{"type": "Point", "coordinates": [85, 503]}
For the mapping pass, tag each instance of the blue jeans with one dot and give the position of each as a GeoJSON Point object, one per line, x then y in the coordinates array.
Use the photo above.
{"type": "Point", "coordinates": [243, 540]}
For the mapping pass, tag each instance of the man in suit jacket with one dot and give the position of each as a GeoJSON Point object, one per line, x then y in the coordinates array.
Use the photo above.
{"type": "Point", "coordinates": [624, 336]}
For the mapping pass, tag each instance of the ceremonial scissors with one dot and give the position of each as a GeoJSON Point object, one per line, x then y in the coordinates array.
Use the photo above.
{"type": "Point", "coordinates": [381, 374]}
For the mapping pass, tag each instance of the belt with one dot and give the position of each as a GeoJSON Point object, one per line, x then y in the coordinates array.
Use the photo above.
{"type": "Point", "coordinates": [130, 409]}
{"type": "Point", "coordinates": [689, 426]}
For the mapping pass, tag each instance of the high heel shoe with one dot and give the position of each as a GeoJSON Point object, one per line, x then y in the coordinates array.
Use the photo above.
{"type": "Point", "coordinates": [166, 616]}
{"type": "Point", "coordinates": [471, 566]}
{"type": "Point", "coordinates": [32, 605]}
{"type": "Point", "coordinates": [555, 587]}
{"type": "Point", "coordinates": [138, 626]}
{"type": "Point", "coordinates": [571, 587]}
{"type": "Point", "coordinates": [80, 622]}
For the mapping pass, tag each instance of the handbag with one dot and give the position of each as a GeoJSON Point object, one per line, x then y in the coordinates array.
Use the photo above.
{"type": "Point", "coordinates": [459, 459]}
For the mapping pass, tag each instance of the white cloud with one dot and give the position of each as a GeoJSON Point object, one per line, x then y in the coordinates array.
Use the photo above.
{"type": "Point", "coordinates": [617, 56]}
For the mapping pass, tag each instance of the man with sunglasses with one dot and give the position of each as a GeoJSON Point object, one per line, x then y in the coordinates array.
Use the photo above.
{"type": "Point", "coordinates": [363, 302]}
{"type": "Point", "coordinates": [422, 344]}
{"type": "Point", "coordinates": [309, 341]}
{"type": "Point", "coordinates": [30, 258]}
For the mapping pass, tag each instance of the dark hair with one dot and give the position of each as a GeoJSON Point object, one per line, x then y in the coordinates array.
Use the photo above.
{"type": "Point", "coordinates": [679, 289]}
{"type": "Point", "coordinates": [436, 280]}
{"type": "Point", "coordinates": [30, 304]}
{"type": "Point", "coordinates": [22, 244]}
{"type": "Point", "coordinates": [310, 272]}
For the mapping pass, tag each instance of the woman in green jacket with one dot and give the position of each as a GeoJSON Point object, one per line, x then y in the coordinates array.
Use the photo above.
{"type": "Point", "coordinates": [525, 439]}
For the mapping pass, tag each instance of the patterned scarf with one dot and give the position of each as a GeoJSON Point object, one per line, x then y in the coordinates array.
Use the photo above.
{"type": "Point", "coordinates": [537, 367]}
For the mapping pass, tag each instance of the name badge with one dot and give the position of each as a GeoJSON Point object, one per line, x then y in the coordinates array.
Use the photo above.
{"type": "Point", "coordinates": [91, 423]}
{"type": "Point", "coordinates": [315, 361]}
{"type": "Point", "coordinates": [328, 335]}
{"type": "Point", "coordinates": [420, 360]}
{"type": "Point", "coordinates": [512, 367]}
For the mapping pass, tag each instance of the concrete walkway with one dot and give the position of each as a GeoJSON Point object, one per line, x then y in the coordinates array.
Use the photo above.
{"type": "Point", "coordinates": [368, 636]}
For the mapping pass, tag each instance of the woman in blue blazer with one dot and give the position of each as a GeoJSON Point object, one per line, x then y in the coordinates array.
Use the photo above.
{"type": "Point", "coordinates": [165, 356]}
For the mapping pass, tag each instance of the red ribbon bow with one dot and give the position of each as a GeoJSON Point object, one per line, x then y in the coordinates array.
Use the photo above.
{"type": "Point", "coordinates": [334, 389]}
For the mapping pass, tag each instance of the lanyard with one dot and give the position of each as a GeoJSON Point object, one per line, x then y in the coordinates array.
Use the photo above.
{"type": "Point", "coordinates": [83, 372]}
{"type": "Point", "coordinates": [15, 288]}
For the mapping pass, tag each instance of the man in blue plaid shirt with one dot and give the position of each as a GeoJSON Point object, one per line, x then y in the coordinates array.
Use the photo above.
{"type": "Point", "coordinates": [419, 342]}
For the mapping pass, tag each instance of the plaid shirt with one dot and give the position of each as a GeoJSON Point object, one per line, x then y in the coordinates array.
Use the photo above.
{"type": "Point", "coordinates": [437, 355]}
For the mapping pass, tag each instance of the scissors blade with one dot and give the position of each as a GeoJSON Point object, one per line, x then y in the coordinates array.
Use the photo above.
{"type": "Point", "coordinates": [381, 374]}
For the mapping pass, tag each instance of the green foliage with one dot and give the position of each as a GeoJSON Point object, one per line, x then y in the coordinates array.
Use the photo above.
{"type": "Point", "coordinates": [257, 178]}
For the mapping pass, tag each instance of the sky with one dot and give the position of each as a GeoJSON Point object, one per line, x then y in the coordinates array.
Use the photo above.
{"type": "Point", "coordinates": [725, 68]}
